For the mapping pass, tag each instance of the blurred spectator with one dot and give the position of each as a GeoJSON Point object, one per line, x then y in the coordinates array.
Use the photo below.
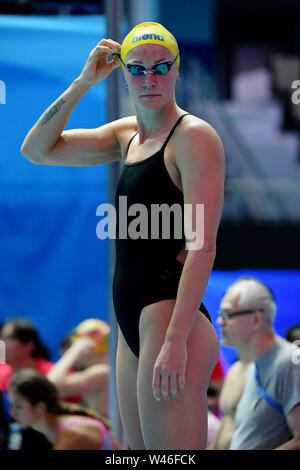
{"type": "Point", "coordinates": [23, 348]}
{"type": "Point", "coordinates": [268, 413]}
{"type": "Point", "coordinates": [230, 395]}
{"type": "Point", "coordinates": [215, 386]}
{"type": "Point", "coordinates": [213, 426]}
{"type": "Point", "coordinates": [88, 358]}
{"type": "Point", "coordinates": [35, 403]}
{"type": "Point", "coordinates": [229, 398]}
{"type": "Point", "coordinates": [293, 334]}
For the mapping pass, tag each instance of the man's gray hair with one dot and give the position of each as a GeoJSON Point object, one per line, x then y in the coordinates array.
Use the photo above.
{"type": "Point", "coordinates": [255, 294]}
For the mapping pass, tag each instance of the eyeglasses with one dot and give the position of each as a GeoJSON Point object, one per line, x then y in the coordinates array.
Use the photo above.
{"type": "Point", "coordinates": [228, 314]}
{"type": "Point", "coordinates": [137, 70]}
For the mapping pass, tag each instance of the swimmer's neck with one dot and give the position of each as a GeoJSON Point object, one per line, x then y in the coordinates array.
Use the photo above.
{"type": "Point", "coordinates": [154, 122]}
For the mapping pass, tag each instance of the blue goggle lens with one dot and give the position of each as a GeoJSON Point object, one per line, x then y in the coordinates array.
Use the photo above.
{"type": "Point", "coordinates": [159, 69]}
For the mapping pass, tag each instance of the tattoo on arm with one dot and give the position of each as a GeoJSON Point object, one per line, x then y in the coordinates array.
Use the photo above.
{"type": "Point", "coordinates": [53, 110]}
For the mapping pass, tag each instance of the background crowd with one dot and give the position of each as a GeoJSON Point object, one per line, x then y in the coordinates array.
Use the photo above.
{"type": "Point", "coordinates": [254, 404]}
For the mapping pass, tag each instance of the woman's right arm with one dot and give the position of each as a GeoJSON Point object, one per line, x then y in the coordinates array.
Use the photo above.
{"type": "Point", "coordinates": [48, 143]}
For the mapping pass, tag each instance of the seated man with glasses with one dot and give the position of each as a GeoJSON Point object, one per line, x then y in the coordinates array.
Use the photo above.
{"type": "Point", "coordinates": [268, 412]}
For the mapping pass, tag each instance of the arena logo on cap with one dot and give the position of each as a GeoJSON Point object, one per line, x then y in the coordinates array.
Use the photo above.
{"type": "Point", "coordinates": [145, 37]}
{"type": "Point", "coordinates": [296, 353]}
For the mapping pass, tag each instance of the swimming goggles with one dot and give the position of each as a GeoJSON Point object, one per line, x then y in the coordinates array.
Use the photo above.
{"type": "Point", "coordinates": [137, 70]}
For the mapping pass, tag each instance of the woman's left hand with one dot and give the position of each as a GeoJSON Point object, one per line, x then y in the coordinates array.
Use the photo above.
{"type": "Point", "coordinates": [169, 370]}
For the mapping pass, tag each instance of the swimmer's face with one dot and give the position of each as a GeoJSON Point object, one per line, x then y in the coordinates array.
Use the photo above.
{"type": "Point", "coordinates": [151, 90]}
{"type": "Point", "coordinates": [22, 411]}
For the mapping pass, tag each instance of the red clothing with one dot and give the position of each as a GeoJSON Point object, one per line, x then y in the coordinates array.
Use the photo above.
{"type": "Point", "coordinates": [218, 372]}
{"type": "Point", "coordinates": [41, 365]}
{"type": "Point", "coordinates": [5, 371]}
{"type": "Point", "coordinates": [217, 375]}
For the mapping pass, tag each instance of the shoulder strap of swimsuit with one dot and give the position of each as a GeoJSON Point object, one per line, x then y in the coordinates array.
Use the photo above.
{"type": "Point", "coordinates": [167, 139]}
{"type": "Point", "coordinates": [106, 439]}
{"type": "Point", "coordinates": [129, 144]}
{"type": "Point", "coordinates": [173, 129]}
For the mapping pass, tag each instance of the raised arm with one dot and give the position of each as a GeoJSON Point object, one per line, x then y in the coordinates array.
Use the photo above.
{"type": "Point", "coordinates": [48, 143]}
{"type": "Point", "coordinates": [92, 378]}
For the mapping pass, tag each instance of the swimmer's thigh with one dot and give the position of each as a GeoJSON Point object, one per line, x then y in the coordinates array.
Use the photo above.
{"type": "Point", "coordinates": [180, 423]}
{"type": "Point", "coordinates": [126, 375]}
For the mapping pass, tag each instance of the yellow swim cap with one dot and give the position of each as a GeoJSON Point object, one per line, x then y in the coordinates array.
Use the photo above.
{"type": "Point", "coordinates": [150, 33]}
{"type": "Point", "coordinates": [95, 329]}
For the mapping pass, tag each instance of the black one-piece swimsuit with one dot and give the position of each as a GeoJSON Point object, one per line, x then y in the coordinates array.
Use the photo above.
{"type": "Point", "coordinates": [146, 269]}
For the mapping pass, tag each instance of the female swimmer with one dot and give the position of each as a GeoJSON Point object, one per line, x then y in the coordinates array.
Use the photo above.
{"type": "Point", "coordinates": [167, 346]}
